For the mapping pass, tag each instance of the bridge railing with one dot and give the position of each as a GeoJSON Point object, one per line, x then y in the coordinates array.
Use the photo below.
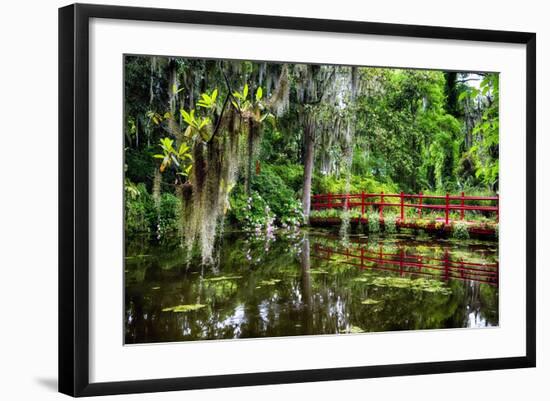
{"type": "Point", "coordinates": [365, 200]}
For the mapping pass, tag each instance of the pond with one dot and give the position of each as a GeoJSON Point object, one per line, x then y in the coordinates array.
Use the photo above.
{"type": "Point", "coordinates": [307, 283]}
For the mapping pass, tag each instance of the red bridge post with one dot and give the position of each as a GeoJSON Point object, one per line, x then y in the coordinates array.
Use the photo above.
{"type": "Point", "coordinates": [462, 205]}
{"type": "Point", "coordinates": [446, 208]}
{"type": "Point", "coordinates": [402, 207]}
{"type": "Point", "coordinates": [362, 204]}
{"type": "Point", "coordinates": [381, 206]}
{"type": "Point", "coordinates": [420, 205]}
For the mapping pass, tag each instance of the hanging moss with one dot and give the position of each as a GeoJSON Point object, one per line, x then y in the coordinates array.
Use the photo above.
{"type": "Point", "coordinates": [205, 198]}
{"type": "Point", "coordinates": [157, 179]}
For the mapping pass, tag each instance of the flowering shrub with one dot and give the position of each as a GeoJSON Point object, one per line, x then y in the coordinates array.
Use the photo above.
{"type": "Point", "coordinates": [271, 204]}
{"type": "Point", "coordinates": [251, 213]}
{"type": "Point", "coordinates": [279, 196]}
{"type": "Point", "coordinates": [294, 217]}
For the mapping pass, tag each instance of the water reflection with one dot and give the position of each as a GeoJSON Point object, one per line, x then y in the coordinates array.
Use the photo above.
{"type": "Point", "coordinates": [308, 283]}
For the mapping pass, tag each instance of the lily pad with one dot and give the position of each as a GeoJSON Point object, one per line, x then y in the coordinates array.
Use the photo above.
{"type": "Point", "coordinates": [271, 281]}
{"type": "Point", "coordinates": [356, 329]}
{"type": "Point", "coordinates": [222, 278]}
{"type": "Point", "coordinates": [184, 308]}
{"type": "Point", "coordinates": [370, 301]}
{"type": "Point", "coordinates": [419, 284]}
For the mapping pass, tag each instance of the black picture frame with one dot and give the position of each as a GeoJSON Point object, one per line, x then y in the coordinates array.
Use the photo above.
{"type": "Point", "coordinates": [74, 198]}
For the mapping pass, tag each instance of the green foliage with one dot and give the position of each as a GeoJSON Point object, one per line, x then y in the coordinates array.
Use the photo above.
{"type": "Point", "coordinates": [485, 153]}
{"type": "Point", "coordinates": [390, 223]}
{"type": "Point", "coordinates": [141, 215]}
{"type": "Point", "coordinates": [251, 213]}
{"type": "Point", "coordinates": [460, 230]}
{"type": "Point", "coordinates": [140, 164]}
{"type": "Point", "coordinates": [292, 175]}
{"type": "Point", "coordinates": [139, 209]}
{"type": "Point", "coordinates": [252, 108]}
{"type": "Point", "coordinates": [374, 223]}
{"type": "Point", "coordinates": [358, 184]}
{"type": "Point", "coordinates": [196, 126]}
{"type": "Point", "coordinates": [181, 158]}
{"type": "Point", "coordinates": [208, 101]}
{"type": "Point", "coordinates": [326, 213]}
{"type": "Point", "coordinates": [168, 214]}
{"type": "Point", "coordinates": [278, 196]}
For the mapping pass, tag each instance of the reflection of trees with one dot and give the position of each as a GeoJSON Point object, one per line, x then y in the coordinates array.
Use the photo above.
{"type": "Point", "coordinates": [285, 294]}
{"type": "Point", "coordinates": [305, 263]}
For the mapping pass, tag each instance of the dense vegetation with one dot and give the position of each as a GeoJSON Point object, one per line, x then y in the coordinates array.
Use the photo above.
{"type": "Point", "coordinates": [211, 143]}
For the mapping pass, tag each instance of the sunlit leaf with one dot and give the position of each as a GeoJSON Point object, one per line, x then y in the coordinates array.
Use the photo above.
{"type": "Point", "coordinates": [186, 116]}
{"type": "Point", "coordinates": [259, 94]}
{"type": "Point", "coordinates": [188, 132]}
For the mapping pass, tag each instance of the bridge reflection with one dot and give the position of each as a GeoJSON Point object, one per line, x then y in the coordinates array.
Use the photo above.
{"type": "Point", "coordinates": [403, 262]}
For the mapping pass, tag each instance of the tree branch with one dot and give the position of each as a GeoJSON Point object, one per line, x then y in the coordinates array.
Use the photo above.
{"type": "Point", "coordinates": [218, 123]}
{"type": "Point", "coordinates": [230, 91]}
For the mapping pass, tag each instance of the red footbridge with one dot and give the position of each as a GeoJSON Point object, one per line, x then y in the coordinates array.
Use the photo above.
{"type": "Point", "coordinates": [449, 209]}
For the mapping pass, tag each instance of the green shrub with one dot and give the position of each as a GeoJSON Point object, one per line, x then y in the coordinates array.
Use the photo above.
{"type": "Point", "coordinates": [169, 213]}
{"type": "Point", "coordinates": [280, 198]}
{"type": "Point", "coordinates": [331, 184]}
{"type": "Point", "coordinates": [390, 223]}
{"type": "Point", "coordinates": [354, 213]}
{"type": "Point", "coordinates": [374, 223]}
{"type": "Point", "coordinates": [325, 213]}
{"type": "Point", "coordinates": [138, 210]}
{"type": "Point", "coordinates": [249, 212]}
{"type": "Point", "coordinates": [141, 216]}
{"type": "Point", "coordinates": [460, 230]}
{"type": "Point", "coordinates": [291, 174]}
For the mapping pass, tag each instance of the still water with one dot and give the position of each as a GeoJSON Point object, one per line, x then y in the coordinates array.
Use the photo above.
{"type": "Point", "coordinates": [306, 283]}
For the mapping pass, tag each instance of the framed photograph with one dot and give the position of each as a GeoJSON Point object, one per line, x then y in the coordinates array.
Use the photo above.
{"type": "Point", "coordinates": [251, 199]}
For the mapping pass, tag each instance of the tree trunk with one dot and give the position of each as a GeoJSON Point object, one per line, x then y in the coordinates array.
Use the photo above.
{"type": "Point", "coordinates": [309, 142]}
{"type": "Point", "coordinates": [452, 95]}
{"type": "Point", "coordinates": [253, 132]}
